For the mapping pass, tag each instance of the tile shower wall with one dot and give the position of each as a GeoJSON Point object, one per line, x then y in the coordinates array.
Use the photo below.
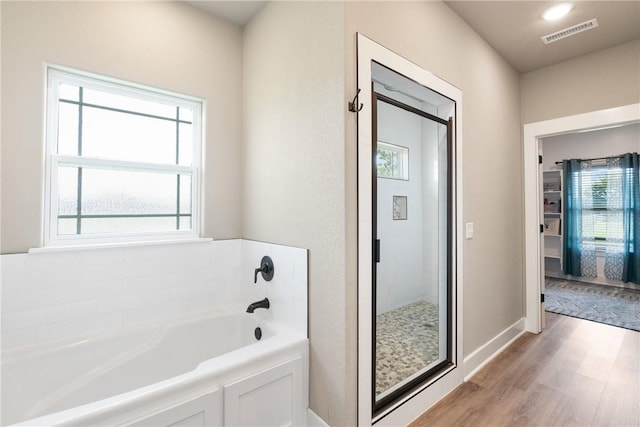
{"type": "Point", "coordinates": [287, 290]}
{"type": "Point", "coordinates": [56, 295]}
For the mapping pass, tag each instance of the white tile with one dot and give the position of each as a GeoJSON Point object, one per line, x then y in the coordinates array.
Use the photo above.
{"type": "Point", "coordinates": [66, 329]}
{"type": "Point", "coordinates": [144, 268]}
{"type": "Point", "coordinates": [18, 338]}
{"type": "Point", "coordinates": [300, 281]}
{"type": "Point", "coordinates": [85, 274]}
{"type": "Point", "coordinates": [99, 289]}
{"type": "Point", "coordinates": [299, 316]}
{"type": "Point", "coordinates": [13, 265]}
{"type": "Point", "coordinates": [108, 272]}
{"type": "Point", "coordinates": [21, 283]}
{"type": "Point", "coordinates": [151, 283]}
{"type": "Point", "coordinates": [58, 295]}
{"type": "Point", "coordinates": [108, 321]}
{"type": "Point", "coordinates": [46, 315]}
{"type": "Point", "coordinates": [19, 300]}
{"type": "Point", "coordinates": [133, 301]}
{"type": "Point", "coordinates": [151, 252]}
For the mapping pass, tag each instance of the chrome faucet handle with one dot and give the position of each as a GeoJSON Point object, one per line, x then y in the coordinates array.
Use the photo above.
{"type": "Point", "coordinates": [266, 268]}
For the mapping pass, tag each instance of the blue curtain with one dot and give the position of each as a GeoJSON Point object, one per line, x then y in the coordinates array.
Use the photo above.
{"type": "Point", "coordinates": [572, 227]}
{"type": "Point", "coordinates": [631, 218]}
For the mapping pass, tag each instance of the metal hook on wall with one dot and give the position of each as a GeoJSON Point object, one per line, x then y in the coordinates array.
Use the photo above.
{"type": "Point", "coordinates": [352, 104]}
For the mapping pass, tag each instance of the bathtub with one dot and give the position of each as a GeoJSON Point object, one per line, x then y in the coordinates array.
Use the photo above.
{"type": "Point", "coordinates": [210, 370]}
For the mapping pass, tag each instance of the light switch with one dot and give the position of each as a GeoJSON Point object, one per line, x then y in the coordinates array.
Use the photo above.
{"type": "Point", "coordinates": [469, 230]}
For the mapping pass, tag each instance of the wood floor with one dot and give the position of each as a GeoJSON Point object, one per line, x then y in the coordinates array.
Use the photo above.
{"type": "Point", "coordinates": [576, 373]}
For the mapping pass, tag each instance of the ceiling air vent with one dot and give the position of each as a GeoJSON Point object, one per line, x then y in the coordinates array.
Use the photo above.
{"type": "Point", "coordinates": [558, 35]}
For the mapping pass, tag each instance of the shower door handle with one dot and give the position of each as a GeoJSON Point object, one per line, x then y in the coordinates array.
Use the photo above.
{"type": "Point", "coordinates": [376, 251]}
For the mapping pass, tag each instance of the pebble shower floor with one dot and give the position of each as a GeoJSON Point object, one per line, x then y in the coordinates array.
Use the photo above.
{"type": "Point", "coordinates": [407, 341]}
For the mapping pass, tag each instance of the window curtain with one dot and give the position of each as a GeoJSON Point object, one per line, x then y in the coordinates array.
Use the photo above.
{"type": "Point", "coordinates": [583, 208]}
{"type": "Point", "coordinates": [579, 244]}
{"type": "Point", "coordinates": [622, 259]}
{"type": "Point", "coordinates": [614, 252]}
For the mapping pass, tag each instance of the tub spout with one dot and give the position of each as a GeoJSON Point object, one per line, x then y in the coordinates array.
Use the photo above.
{"type": "Point", "coordinates": [258, 304]}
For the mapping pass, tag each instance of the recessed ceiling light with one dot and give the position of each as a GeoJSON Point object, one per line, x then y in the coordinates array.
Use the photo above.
{"type": "Point", "coordinates": [557, 11]}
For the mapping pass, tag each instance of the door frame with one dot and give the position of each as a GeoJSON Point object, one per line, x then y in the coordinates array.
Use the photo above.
{"type": "Point", "coordinates": [415, 404]}
{"type": "Point", "coordinates": [533, 133]}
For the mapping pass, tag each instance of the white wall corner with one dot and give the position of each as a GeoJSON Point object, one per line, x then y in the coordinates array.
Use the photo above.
{"type": "Point", "coordinates": [483, 355]}
{"type": "Point", "coordinates": [314, 420]}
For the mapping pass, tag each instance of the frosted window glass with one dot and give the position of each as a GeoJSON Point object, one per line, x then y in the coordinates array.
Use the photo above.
{"type": "Point", "coordinates": [112, 135]}
{"type": "Point", "coordinates": [127, 225]}
{"type": "Point", "coordinates": [185, 223]}
{"type": "Point", "coordinates": [122, 192]}
{"type": "Point", "coordinates": [185, 194]}
{"type": "Point", "coordinates": [66, 226]}
{"type": "Point", "coordinates": [68, 129]}
{"type": "Point", "coordinates": [150, 198]}
{"type": "Point", "coordinates": [67, 191]}
{"type": "Point", "coordinates": [121, 102]}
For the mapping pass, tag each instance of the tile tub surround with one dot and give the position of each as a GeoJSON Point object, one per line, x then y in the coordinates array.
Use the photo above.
{"type": "Point", "coordinates": [52, 296]}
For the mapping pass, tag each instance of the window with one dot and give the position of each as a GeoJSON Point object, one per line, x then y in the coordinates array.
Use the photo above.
{"type": "Point", "coordinates": [122, 161]}
{"type": "Point", "coordinates": [392, 161]}
{"type": "Point", "coordinates": [601, 214]}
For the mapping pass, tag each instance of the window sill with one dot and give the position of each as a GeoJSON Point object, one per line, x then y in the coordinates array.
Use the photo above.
{"type": "Point", "coordinates": [112, 245]}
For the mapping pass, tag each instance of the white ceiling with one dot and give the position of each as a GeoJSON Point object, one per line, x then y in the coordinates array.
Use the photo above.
{"type": "Point", "coordinates": [238, 12]}
{"type": "Point", "coordinates": [512, 28]}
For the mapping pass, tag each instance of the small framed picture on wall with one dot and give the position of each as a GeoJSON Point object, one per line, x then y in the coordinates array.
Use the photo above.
{"type": "Point", "coordinates": [399, 208]}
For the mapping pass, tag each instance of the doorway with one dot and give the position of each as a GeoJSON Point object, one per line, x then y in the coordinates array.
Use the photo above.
{"type": "Point", "coordinates": [533, 134]}
{"type": "Point", "coordinates": [409, 262]}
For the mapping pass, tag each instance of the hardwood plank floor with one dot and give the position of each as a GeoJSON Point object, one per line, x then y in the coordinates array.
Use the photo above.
{"type": "Point", "coordinates": [576, 373]}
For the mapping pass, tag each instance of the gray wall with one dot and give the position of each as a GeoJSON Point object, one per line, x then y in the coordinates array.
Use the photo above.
{"type": "Point", "coordinates": [168, 45]}
{"type": "Point", "coordinates": [294, 163]}
{"type": "Point", "coordinates": [605, 79]}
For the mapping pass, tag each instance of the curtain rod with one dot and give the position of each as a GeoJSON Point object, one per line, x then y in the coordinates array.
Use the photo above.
{"type": "Point", "coordinates": [597, 158]}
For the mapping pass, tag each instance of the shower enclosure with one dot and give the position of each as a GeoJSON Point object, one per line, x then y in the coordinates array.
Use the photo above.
{"type": "Point", "coordinates": [411, 228]}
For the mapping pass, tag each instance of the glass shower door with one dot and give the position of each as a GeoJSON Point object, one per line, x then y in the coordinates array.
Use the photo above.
{"type": "Point", "coordinates": [412, 244]}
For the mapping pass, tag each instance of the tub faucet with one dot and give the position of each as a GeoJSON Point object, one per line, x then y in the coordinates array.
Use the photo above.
{"type": "Point", "coordinates": [258, 304]}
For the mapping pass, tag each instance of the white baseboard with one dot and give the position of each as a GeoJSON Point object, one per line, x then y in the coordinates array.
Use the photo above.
{"type": "Point", "coordinates": [313, 420]}
{"type": "Point", "coordinates": [483, 355]}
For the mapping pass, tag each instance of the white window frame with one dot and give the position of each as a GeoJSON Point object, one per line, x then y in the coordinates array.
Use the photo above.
{"type": "Point", "coordinates": [53, 160]}
{"type": "Point", "coordinates": [402, 172]}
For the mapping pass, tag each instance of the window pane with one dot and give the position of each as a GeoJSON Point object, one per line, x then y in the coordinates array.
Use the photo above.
{"type": "Point", "coordinates": [186, 114]}
{"type": "Point", "coordinates": [67, 191]}
{"type": "Point", "coordinates": [128, 225]}
{"type": "Point", "coordinates": [119, 192]}
{"type": "Point", "coordinates": [112, 135]}
{"type": "Point", "coordinates": [186, 145]}
{"type": "Point", "coordinates": [121, 102]}
{"type": "Point", "coordinates": [66, 226]}
{"type": "Point", "coordinates": [67, 129]}
{"type": "Point", "coordinates": [68, 92]}
{"type": "Point", "coordinates": [185, 194]}
{"type": "Point", "coordinates": [392, 161]}
{"type": "Point", "coordinates": [185, 223]}
{"type": "Point", "coordinates": [105, 192]}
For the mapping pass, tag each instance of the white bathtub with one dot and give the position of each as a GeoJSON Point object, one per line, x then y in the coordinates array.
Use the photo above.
{"type": "Point", "coordinates": [205, 371]}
